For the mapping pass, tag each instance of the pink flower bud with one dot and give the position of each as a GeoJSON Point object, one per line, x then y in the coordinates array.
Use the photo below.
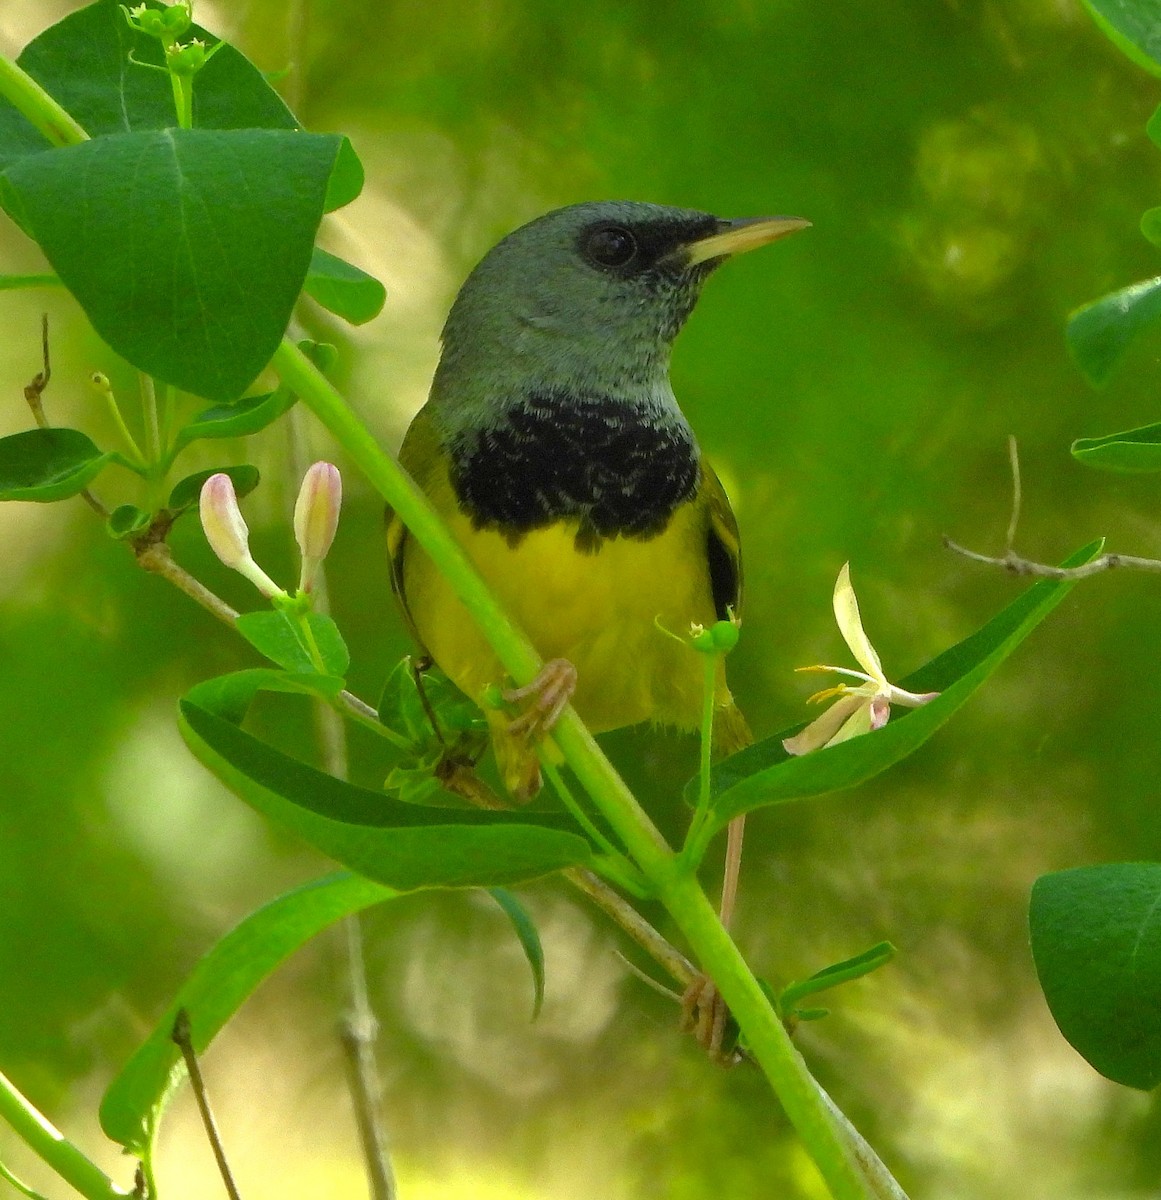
{"type": "Point", "coordinates": [316, 517]}
{"type": "Point", "coordinates": [222, 520]}
{"type": "Point", "coordinates": [227, 533]}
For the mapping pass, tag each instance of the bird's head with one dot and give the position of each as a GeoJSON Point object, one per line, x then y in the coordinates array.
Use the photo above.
{"type": "Point", "coordinates": [587, 298]}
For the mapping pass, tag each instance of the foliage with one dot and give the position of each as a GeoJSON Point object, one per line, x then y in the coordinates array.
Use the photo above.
{"type": "Point", "coordinates": [187, 248]}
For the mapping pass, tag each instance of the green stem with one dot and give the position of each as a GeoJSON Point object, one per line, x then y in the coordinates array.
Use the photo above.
{"type": "Point", "coordinates": [675, 885]}
{"type": "Point", "coordinates": [53, 1147]}
{"type": "Point", "coordinates": [701, 813]}
{"type": "Point", "coordinates": [38, 106]}
{"type": "Point", "coordinates": [182, 99]}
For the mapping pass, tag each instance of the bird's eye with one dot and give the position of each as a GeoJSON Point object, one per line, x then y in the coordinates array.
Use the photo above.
{"type": "Point", "coordinates": [610, 246]}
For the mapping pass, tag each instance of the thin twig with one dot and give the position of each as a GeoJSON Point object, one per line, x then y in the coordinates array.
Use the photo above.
{"type": "Point", "coordinates": [34, 394]}
{"type": "Point", "coordinates": [358, 1025]}
{"type": "Point", "coordinates": [181, 1035]}
{"type": "Point", "coordinates": [1014, 462]}
{"type": "Point", "coordinates": [1017, 564]}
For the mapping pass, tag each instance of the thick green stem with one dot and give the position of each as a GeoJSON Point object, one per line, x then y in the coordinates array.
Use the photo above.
{"type": "Point", "coordinates": [51, 1145]}
{"type": "Point", "coordinates": [676, 885]}
{"type": "Point", "coordinates": [38, 106]}
{"type": "Point", "coordinates": [674, 882]}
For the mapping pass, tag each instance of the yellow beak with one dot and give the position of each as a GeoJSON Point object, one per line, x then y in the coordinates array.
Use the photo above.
{"type": "Point", "coordinates": [747, 233]}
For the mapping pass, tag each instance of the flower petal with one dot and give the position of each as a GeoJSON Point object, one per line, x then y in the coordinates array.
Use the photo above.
{"type": "Point", "coordinates": [856, 725]}
{"type": "Point", "coordinates": [821, 731]}
{"type": "Point", "coordinates": [880, 711]}
{"type": "Point", "coordinates": [850, 623]}
{"type": "Point", "coordinates": [898, 695]}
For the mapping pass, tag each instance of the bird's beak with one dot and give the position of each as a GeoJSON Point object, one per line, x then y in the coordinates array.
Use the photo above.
{"type": "Point", "coordinates": [736, 237]}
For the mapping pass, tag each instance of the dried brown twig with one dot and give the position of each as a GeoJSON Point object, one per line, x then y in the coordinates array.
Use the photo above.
{"type": "Point", "coordinates": [1017, 564]}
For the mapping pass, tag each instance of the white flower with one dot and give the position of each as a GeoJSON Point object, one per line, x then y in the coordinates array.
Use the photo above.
{"type": "Point", "coordinates": [859, 708]}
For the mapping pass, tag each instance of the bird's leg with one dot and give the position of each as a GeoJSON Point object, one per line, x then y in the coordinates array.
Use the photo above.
{"type": "Point", "coordinates": [703, 1011]}
{"type": "Point", "coordinates": [548, 695]}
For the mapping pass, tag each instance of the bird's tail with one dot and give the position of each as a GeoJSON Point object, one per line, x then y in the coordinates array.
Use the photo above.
{"type": "Point", "coordinates": [731, 732]}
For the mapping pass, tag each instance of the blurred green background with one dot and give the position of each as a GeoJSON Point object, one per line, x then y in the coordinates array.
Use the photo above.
{"type": "Point", "coordinates": [974, 169]}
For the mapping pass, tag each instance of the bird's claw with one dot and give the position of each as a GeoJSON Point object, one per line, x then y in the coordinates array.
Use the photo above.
{"type": "Point", "coordinates": [549, 694]}
{"type": "Point", "coordinates": [704, 1014]}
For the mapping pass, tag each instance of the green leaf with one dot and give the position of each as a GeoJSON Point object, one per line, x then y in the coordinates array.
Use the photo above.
{"type": "Point", "coordinates": [48, 464]}
{"type": "Point", "coordinates": [187, 248]}
{"type": "Point", "coordinates": [282, 638]}
{"type": "Point", "coordinates": [227, 974]}
{"type": "Point", "coordinates": [84, 62]}
{"type": "Point", "coordinates": [343, 289]}
{"type": "Point", "coordinates": [1096, 940]}
{"type": "Point", "coordinates": [765, 774]}
{"type": "Point", "coordinates": [1133, 450]}
{"type": "Point", "coordinates": [126, 520]}
{"type": "Point", "coordinates": [1133, 26]}
{"type": "Point", "coordinates": [841, 972]}
{"type": "Point", "coordinates": [248, 415]}
{"type": "Point", "coordinates": [186, 492]}
{"type": "Point", "coordinates": [402, 845]}
{"type": "Point", "coordinates": [346, 180]}
{"type": "Point", "coordinates": [1100, 332]}
{"type": "Point", "coordinates": [529, 940]}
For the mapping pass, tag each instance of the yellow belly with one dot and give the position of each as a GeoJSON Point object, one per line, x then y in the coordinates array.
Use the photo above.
{"type": "Point", "coordinates": [600, 611]}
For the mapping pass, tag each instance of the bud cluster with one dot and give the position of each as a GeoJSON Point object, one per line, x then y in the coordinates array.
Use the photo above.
{"type": "Point", "coordinates": [316, 518]}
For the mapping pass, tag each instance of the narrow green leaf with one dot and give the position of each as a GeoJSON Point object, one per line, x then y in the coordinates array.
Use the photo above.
{"type": "Point", "coordinates": [1100, 332]}
{"type": "Point", "coordinates": [187, 248]}
{"type": "Point", "coordinates": [282, 639]}
{"type": "Point", "coordinates": [344, 289]}
{"type": "Point", "coordinates": [186, 492]}
{"type": "Point", "coordinates": [1133, 450]}
{"type": "Point", "coordinates": [837, 973]}
{"type": "Point", "coordinates": [529, 938]}
{"type": "Point", "coordinates": [1096, 940]}
{"type": "Point", "coordinates": [403, 845]}
{"type": "Point", "coordinates": [1133, 26]}
{"type": "Point", "coordinates": [227, 974]}
{"type": "Point", "coordinates": [48, 464]}
{"type": "Point", "coordinates": [248, 415]}
{"type": "Point", "coordinates": [765, 774]}
{"type": "Point", "coordinates": [84, 62]}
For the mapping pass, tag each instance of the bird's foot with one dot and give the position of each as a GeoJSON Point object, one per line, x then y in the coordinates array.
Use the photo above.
{"type": "Point", "coordinates": [705, 1015]}
{"type": "Point", "coordinates": [547, 696]}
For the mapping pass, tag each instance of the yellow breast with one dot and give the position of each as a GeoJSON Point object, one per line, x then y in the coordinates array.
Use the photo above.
{"type": "Point", "coordinates": [605, 612]}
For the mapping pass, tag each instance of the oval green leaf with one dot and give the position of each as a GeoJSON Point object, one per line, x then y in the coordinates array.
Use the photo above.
{"type": "Point", "coordinates": [84, 62]}
{"type": "Point", "coordinates": [227, 974]}
{"type": "Point", "coordinates": [765, 774]}
{"type": "Point", "coordinates": [1096, 941]}
{"type": "Point", "coordinates": [249, 415]}
{"type": "Point", "coordinates": [1133, 26]}
{"type": "Point", "coordinates": [48, 464]}
{"type": "Point", "coordinates": [282, 638]}
{"type": "Point", "coordinates": [343, 289]}
{"type": "Point", "coordinates": [187, 248]}
{"type": "Point", "coordinates": [186, 492]}
{"type": "Point", "coordinates": [1099, 333]}
{"type": "Point", "coordinates": [1133, 450]}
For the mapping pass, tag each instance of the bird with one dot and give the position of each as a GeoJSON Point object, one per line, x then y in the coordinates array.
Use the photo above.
{"type": "Point", "coordinates": [553, 446]}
